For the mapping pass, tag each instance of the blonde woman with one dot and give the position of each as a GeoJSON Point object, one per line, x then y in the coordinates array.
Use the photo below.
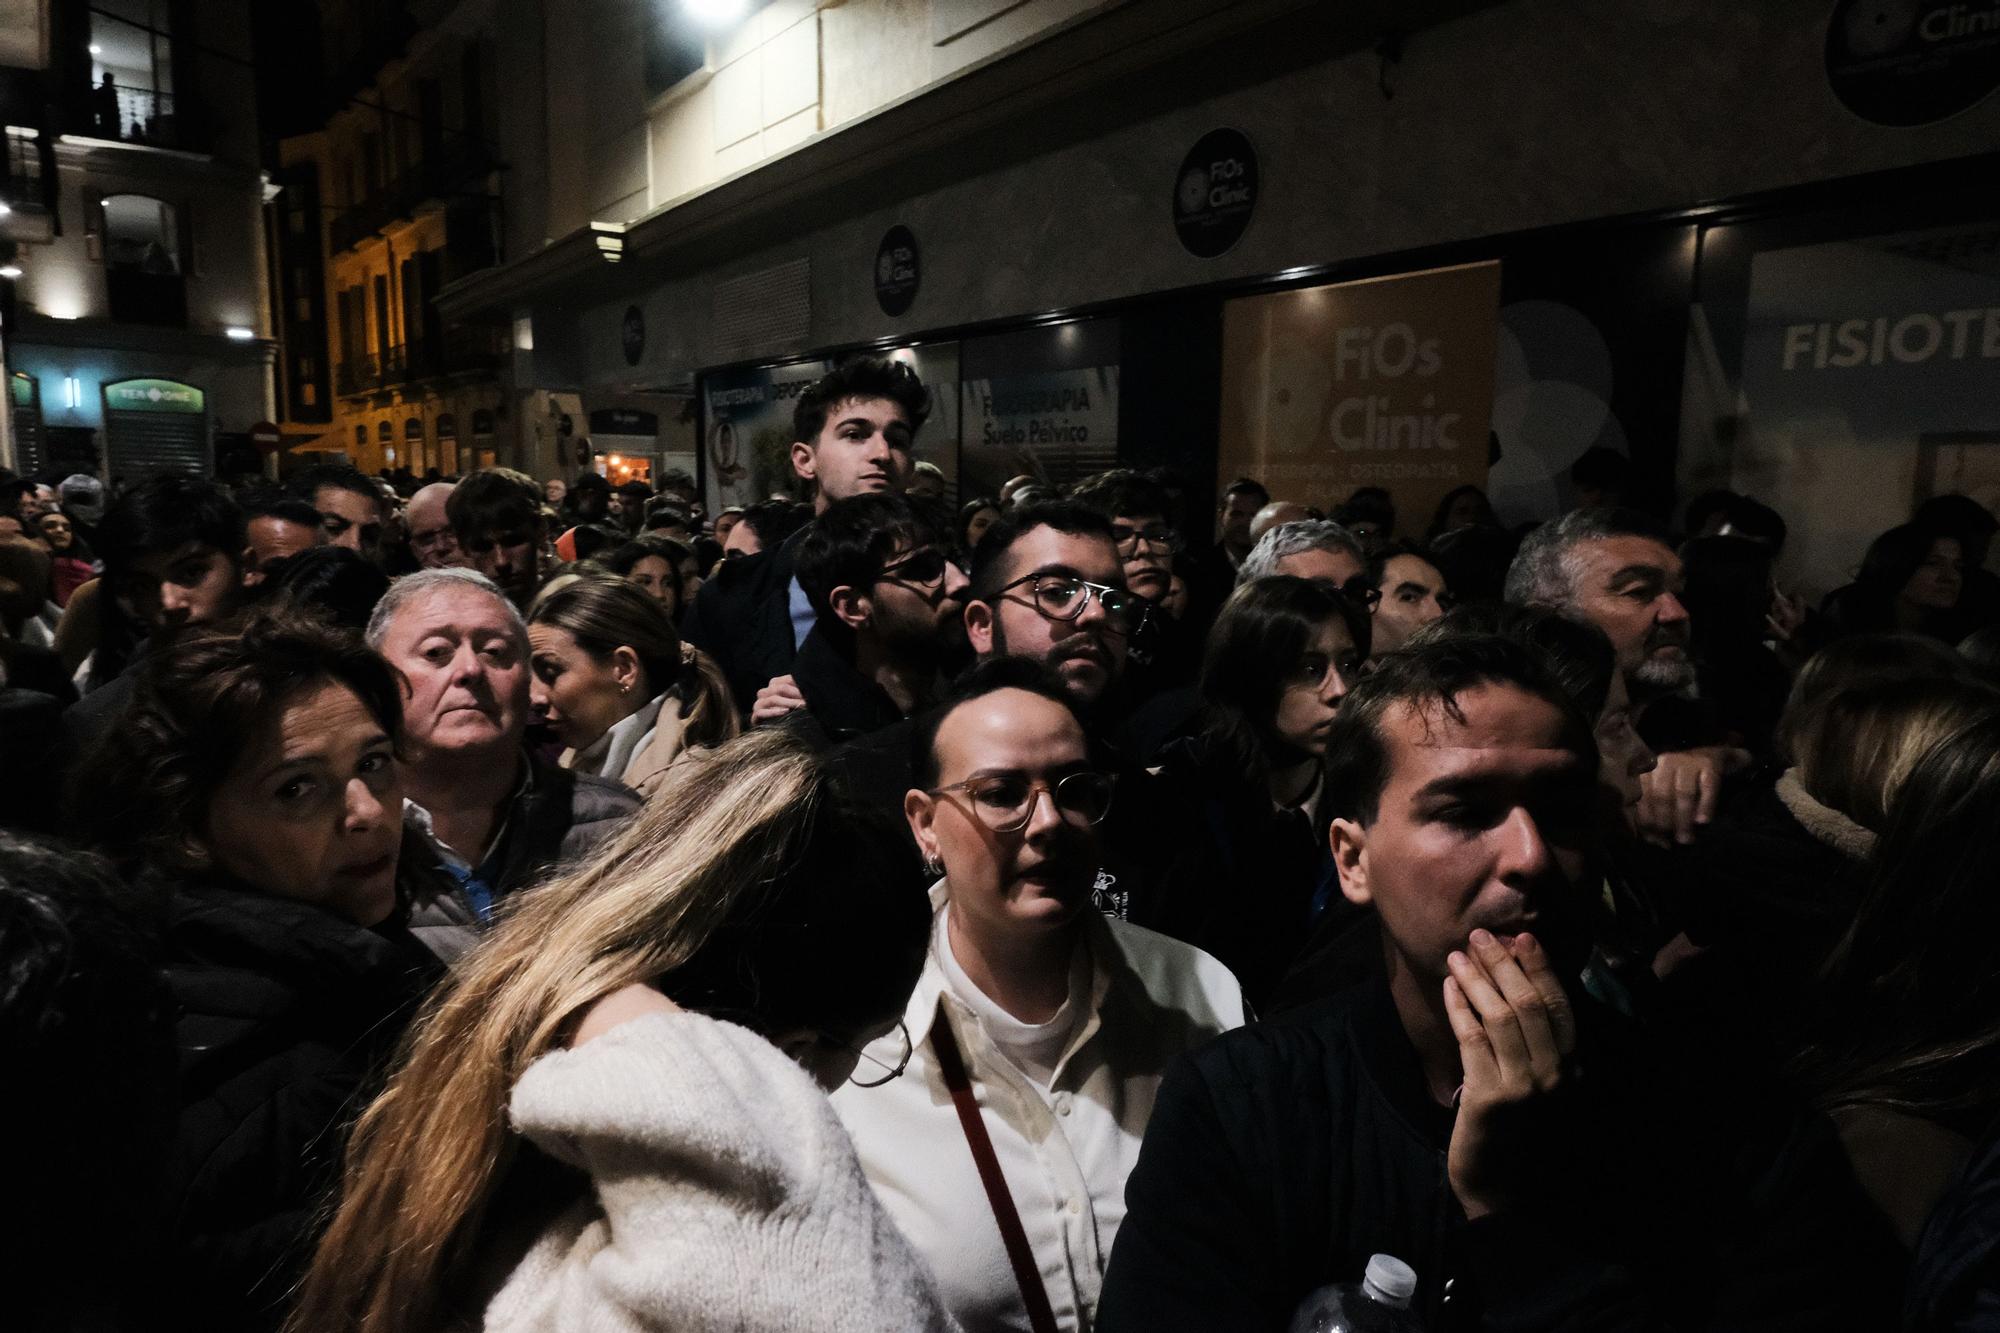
{"type": "Point", "coordinates": [595, 1123]}
{"type": "Point", "coordinates": [618, 686]}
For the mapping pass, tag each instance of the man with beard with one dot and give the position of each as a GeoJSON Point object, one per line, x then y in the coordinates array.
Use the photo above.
{"type": "Point", "coordinates": [1470, 1109]}
{"type": "Point", "coordinates": [1615, 568]}
{"type": "Point", "coordinates": [173, 549]}
{"type": "Point", "coordinates": [889, 599]}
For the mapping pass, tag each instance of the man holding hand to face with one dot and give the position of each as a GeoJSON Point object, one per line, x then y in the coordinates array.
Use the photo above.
{"type": "Point", "coordinates": [1540, 1163]}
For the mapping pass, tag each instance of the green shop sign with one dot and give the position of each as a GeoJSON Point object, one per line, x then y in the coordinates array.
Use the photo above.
{"type": "Point", "coordinates": [153, 396]}
{"type": "Point", "coordinates": [24, 390]}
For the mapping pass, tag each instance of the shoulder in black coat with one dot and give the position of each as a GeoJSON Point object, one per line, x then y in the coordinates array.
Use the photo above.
{"type": "Point", "coordinates": [287, 1017]}
{"type": "Point", "coordinates": [742, 618]}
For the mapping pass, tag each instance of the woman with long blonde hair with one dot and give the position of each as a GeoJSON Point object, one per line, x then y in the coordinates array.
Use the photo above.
{"type": "Point", "coordinates": [573, 1134]}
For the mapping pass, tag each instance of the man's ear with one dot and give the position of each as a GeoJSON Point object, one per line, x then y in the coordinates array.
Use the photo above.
{"type": "Point", "coordinates": [1349, 842]}
{"type": "Point", "coordinates": [979, 628]}
{"type": "Point", "coordinates": [850, 606]}
{"type": "Point", "coordinates": [804, 462]}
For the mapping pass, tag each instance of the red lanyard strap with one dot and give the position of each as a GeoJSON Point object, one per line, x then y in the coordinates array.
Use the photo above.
{"type": "Point", "coordinates": [1027, 1274]}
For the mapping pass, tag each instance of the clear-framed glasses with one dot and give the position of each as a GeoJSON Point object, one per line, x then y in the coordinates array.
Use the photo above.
{"type": "Point", "coordinates": [921, 569]}
{"type": "Point", "coordinates": [871, 1072]}
{"type": "Point", "coordinates": [1314, 670]}
{"type": "Point", "coordinates": [1157, 535]}
{"type": "Point", "coordinates": [1005, 802]}
{"type": "Point", "coordinates": [1065, 597]}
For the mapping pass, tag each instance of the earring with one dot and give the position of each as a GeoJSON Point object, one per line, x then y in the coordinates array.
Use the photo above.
{"type": "Point", "coordinates": [933, 867]}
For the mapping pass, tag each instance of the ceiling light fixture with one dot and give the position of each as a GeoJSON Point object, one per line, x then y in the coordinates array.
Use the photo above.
{"type": "Point", "coordinates": [714, 13]}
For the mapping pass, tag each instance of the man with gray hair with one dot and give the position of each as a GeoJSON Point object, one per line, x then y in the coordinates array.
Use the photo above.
{"type": "Point", "coordinates": [1616, 569]}
{"type": "Point", "coordinates": [1308, 549]}
{"type": "Point", "coordinates": [494, 816]}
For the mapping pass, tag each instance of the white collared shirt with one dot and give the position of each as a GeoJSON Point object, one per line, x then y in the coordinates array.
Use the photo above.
{"type": "Point", "coordinates": [1065, 1149]}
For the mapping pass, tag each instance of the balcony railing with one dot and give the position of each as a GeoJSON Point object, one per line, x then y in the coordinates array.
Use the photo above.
{"type": "Point", "coordinates": [462, 351]}
{"type": "Point", "coordinates": [439, 178]}
{"type": "Point", "coordinates": [137, 115]}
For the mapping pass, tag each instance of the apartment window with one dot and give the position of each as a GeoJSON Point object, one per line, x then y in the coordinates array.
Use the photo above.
{"type": "Point", "coordinates": [132, 69]}
{"type": "Point", "coordinates": [143, 260]}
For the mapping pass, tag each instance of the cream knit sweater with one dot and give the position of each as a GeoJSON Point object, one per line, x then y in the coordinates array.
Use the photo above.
{"type": "Point", "coordinates": [726, 1196]}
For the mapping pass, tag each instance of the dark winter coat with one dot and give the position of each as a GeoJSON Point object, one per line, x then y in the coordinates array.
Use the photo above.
{"type": "Point", "coordinates": [1282, 1155]}
{"type": "Point", "coordinates": [742, 618]}
{"type": "Point", "coordinates": [287, 1015]}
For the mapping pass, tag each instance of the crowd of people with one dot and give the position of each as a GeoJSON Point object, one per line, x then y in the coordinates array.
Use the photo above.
{"type": "Point", "coordinates": [431, 903]}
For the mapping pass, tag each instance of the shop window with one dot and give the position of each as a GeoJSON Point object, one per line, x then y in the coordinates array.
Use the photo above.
{"type": "Point", "coordinates": [1842, 371]}
{"type": "Point", "coordinates": [143, 260]}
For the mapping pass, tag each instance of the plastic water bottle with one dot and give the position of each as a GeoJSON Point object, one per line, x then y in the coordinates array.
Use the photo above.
{"type": "Point", "coordinates": [1378, 1303]}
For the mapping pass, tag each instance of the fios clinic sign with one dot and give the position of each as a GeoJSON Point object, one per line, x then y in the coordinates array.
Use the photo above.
{"type": "Point", "coordinates": [154, 396]}
{"type": "Point", "coordinates": [1913, 62]}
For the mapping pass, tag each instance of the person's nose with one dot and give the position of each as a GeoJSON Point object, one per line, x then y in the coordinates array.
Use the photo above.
{"type": "Point", "coordinates": [350, 539]}
{"type": "Point", "coordinates": [174, 598]}
{"type": "Point", "coordinates": [1670, 610]}
{"type": "Point", "coordinates": [1043, 817]}
{"type": "Point", "coordinates": [538, 697]}
{"type": "Point", "coordinates": [1523, 854]}
{"type": "Point", "coordinates": [1333, 688]}
{"type": "Point", "coordinates": [955, 582]}
{"type": "Point", "coordinates": [365, 810]}
{"type": "Point", "coordinates": [1643, 761]}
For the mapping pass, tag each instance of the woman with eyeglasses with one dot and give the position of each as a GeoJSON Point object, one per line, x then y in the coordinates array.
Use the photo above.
{"type": "Point", "coordinates": [611, 1114]}
{"type": "Point", "coordinates": [617, 684]}
{"type": "Point", "coordinates": [1034, 1042]}
{"type": "Point", "coordinates": [1243, 792]}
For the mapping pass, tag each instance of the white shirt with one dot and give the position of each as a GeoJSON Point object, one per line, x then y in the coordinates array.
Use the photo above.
{"type": "Point", "coordinates": [1065, 1148]}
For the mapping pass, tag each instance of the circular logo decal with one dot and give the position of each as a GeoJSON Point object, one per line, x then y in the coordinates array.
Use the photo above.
{"type": "Point", "coordinates": [1215, 193]}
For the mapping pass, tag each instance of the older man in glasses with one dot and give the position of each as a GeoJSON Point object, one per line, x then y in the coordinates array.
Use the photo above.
{"type": "Point", "coordinates": [889, 598]}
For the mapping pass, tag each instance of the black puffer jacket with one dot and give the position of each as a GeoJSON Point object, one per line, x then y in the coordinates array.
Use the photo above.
{"type": "Point", "coordinates": [287, 1016]}
{"type": "Point", "coordinates": [1282, 1155]}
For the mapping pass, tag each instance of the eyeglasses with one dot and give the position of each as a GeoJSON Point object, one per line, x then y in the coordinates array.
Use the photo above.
{"type": "Point", "coordinates": [1005, 802]}
{"type": "Point", "coordinates": [1065, 597]}
{"type": "Point", "coordinates": [1314, 670]}
{"type": "Point", "coordinates": [923, 569]}
{"type": "Point", "coordinates": [882, 1073]}
{"type": "Point", "coordinates": [1127, 539]}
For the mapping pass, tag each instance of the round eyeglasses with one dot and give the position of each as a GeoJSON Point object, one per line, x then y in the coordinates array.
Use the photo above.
{"type": "Point", "coordinates": [871, 1072]}
{"type": "Point", "coordinates": [1065, 597]}
{"type": "Point", "coordinates": [1005, 802]}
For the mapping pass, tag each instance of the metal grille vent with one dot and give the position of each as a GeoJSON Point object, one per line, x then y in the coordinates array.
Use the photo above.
{"type": "Point", "coordinates": [764, 312]}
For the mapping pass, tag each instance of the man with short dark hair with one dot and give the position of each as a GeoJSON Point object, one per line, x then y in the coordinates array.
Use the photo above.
{"type": "Point", "coordinates": [172, 548]}
{"type": "Point", "coordinates": [1539, 1162]}
{"type": "Point", "coordinates": [889, 597]}
{"type": "Point", "coordinates": [276, 530]}
{"type": "Point", "coordinates": [852, 433]}
{"type": "Point", "coordinates": [350, 506]}
{"type": "Point", "coordinates": [496, 516]}
{"type": "Point", "coordinates": [1412, 594]}
{"type": "Point", "coordinates": [1240, 503]}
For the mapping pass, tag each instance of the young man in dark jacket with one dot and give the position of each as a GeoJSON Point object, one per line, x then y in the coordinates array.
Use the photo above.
{"type": "Point", "coordinates": [1541, 1165]}
{"type": "Point", "coordinates": [852, 435]}
{"type": "Point", "coordinates": [889, 601]}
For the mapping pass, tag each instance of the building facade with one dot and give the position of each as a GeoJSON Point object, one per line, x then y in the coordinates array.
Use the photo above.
{"type": "Point", "coordinates": [397, 195]}
{"type": "Point", "coordinates": [138, 340]}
